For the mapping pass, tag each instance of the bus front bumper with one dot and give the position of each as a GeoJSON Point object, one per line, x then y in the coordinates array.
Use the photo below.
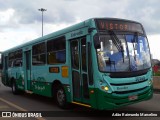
{"type": "Point", "coordinates": [113, 101]}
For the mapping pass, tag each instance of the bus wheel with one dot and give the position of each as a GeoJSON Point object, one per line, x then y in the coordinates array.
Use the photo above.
{"type": "Point", "coordinates": [61, 97]}
{"type": "Point", "coordinates": [14, 88]}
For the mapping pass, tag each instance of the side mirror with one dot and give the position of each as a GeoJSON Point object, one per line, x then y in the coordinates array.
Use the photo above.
{"type": "Point", "coordinates": [97, 44]}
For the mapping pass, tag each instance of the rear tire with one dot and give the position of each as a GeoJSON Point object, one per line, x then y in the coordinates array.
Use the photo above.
{"type": "Point", "coordinates": [60, 97]}
{"type": "Point", "coordinates": [14, 88]}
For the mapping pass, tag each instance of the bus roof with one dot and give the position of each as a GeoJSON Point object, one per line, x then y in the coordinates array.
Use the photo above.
{"type": "Point", "coordinates": [86, 23]}
{"type": "Point", "coordinates": [52, 35]}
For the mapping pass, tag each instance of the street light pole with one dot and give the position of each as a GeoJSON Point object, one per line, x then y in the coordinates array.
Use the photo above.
{"type": "Point", "coordinates": [42, 10]}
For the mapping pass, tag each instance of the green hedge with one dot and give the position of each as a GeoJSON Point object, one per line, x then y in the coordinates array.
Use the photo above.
{"type": "Point", "coordinates": [156, 74]}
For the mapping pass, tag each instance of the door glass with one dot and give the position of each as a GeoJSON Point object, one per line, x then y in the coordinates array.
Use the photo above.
{"type": "Point", "coordinates": [75, 54]}
{"type": "Point", "coordinates": [79, 70]}
{"type": "Point", "coordinates": [28, 61]}
{"type": "Point", "coordinates": [76, 84]}
{"type": "Point", "coordinates": [28, 70]}
{"type": "Point", "coordinates": [83, 49]}
{"type": "Point", "coordinates": [85, 86]}
{"type": "Point", "coordinates": [84, 68]}
{"type": "Point", "coordinates": [75, 69]}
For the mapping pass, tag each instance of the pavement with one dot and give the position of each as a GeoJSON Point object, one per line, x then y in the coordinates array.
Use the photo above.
{"type": "Point", "coordinates": [7, 108]}
{"type": "Point", "coordinates": [11, 111]}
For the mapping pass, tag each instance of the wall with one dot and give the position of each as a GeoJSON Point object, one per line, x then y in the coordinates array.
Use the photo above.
{"type": "Point", "coordinates": [156, 82]}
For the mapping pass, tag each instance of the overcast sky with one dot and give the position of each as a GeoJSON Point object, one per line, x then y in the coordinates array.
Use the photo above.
{"type": "Point", "coordinates": [20, 20]}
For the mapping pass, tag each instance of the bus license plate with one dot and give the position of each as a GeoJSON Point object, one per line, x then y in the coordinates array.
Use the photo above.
{"type": "Point", "coordinates": [134, 97]}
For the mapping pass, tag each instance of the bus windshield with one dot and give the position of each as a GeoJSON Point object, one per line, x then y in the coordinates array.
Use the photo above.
{"type": "Point", "coordinates": [123, 53]}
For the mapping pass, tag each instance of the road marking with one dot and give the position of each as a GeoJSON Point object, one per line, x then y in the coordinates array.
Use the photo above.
{"type": "Point", "coordinates": [17, 107]}
{"type": "Point", "coordinates": [13, 105]}
{"type": "Point", "coordinates": [4, 107]}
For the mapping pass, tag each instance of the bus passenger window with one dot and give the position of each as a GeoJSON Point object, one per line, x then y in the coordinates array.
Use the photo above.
{"type": "Point", "coordinates": [56, 51]}
{"type": "Point", "coordinates": [38, 54]}
{"type": "Point", "coordinates": [15, 59]}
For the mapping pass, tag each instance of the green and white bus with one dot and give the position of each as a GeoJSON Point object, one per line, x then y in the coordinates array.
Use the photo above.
{"type": "Point", "coordinates": [101, 63]}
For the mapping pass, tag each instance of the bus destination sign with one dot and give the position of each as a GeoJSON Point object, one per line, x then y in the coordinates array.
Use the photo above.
{"type": "Point", "coordinates": [118, 25]}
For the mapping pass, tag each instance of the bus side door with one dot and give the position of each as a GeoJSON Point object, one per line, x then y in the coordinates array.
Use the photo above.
{"type": "Point", "coordinates": [79, 70]}
{"type": "Point", "coordinates": [28, 70]}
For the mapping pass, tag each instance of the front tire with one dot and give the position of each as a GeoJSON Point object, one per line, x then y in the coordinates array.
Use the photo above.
{"type": "Point", "coordinates": [61, 97]}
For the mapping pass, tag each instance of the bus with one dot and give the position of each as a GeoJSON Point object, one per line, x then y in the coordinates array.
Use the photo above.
{"type": "Point", "coordinates": [100, 63]}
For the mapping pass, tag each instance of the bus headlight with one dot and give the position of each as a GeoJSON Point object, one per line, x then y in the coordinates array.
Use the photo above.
{"type": "Point", "coordinates": [105, 88]}
{"type": "Point", "coordinates": [103, 85]}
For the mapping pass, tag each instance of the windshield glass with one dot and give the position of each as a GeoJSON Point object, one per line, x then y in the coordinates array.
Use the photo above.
{"type": "Point", "coordinates": [123, 53]}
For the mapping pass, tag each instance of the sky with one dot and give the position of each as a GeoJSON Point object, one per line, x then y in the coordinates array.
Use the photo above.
{"type": "Point", "coordinates": [20, 20]}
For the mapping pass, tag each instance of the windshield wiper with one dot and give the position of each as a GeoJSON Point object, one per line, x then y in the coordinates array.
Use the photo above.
{"type": "Point", "coordinates": [135, 40]}
{"type": "Point", "coordinates": [117, 42]}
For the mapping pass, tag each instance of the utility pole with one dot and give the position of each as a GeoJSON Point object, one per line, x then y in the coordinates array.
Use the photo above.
{"type": "Point", "coordinates": [42, 10]}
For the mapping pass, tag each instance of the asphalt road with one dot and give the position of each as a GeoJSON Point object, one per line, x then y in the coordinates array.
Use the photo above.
{"type": "Point", "coordinates": [28, 102]}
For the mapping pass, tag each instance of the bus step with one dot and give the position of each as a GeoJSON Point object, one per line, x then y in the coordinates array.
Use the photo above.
{"type": "Point", "coordinates": [27, 91]}
{"type": "Point", "coordinates": [86, 105]}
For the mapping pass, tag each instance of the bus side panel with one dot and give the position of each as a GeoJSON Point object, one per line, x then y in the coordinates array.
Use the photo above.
{"type": "Point", "coordinates": [42, 80]}
{"type": "Point", "coordinates": [39, 83]}
{"type": "Point", "coordinates": [11, 75]}
{"type": "Point", "coordinates": [16, 74]}
{"type": "Point", "coordinates": [5, 80]}
{"type": "Point", "coordinates": [20, 78]}
{"type": "Point", "coordinates": [42, 88]}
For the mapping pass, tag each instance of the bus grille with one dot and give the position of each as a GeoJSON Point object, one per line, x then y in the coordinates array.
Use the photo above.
{"type": "Point", "coordinates": [115, 98]}
{"type": "Point", "coordinates": [130, 91]}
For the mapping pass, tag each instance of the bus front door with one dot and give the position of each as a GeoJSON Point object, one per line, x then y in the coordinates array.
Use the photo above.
{"type": "Point", "coordinates": [28, 70]}
{"type": "Point", "coordinates": [79, 70]}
